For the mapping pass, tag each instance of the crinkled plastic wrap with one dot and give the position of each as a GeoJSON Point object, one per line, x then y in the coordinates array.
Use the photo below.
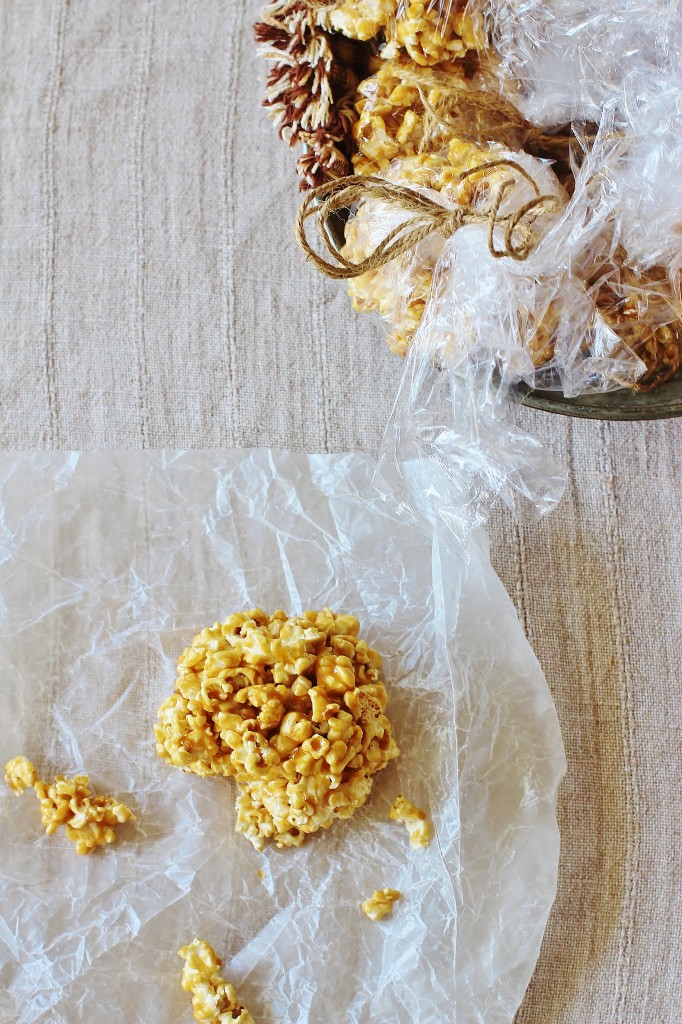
{"type": "Point", "coordinates": [110, 564]}
{"type": "Point", "coordinates": [585, 98]}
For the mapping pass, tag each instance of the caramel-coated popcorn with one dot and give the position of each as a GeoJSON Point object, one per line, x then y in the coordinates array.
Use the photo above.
{"type": "Point", "coordinates": [214, 1000]}
{"type": "Point", "coordinates": [426, 33]}
{"type": "Point", "coordinates": [431, 35]}
{"type": "Point", "coordinates": [391, 120]}
{"type": "Point", "coordinates": [380, 905]}
{"type": "Point", "coordinates": [291, 708]}
{"type": "Point", "coordinates": [20, 774]}
{"type": "Point", "coordinates": [415, 819]}
{"type": "Point", "coordinates": [89, 821]}
{"type": "Point", "coordinates": [401, 137]}
{"type": "Point", "coordinates": [359, 19]}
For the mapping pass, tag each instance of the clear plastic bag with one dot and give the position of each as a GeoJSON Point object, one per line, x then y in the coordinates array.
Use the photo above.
{"type": "Point", "coordinates": [582, 296]}
{"type": "Point", "coordinates": [111, 562]}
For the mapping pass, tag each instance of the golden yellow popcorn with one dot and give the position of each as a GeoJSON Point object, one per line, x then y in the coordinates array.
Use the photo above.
{"type": "Point", "coordinates": [391, 116]}
{"type": "Point", "coordinates": [20, 774]}
{"type": "Point", "coordinates": [291, 708]}
{"type": "Point", "coordinates": [429, 32]}
{"type": "Point", "coordinates": [380, 905]}
{"type": "Point", "coordinates": [88, 820]}
{"type": "Point", "coordinates": [415, 819]}
{"type": "Point", "coordinates": [404, 133]}
{"type": "Point", "coordinates": [214, 1000]}
{"type": "Point", "coordinates": [359, 19]}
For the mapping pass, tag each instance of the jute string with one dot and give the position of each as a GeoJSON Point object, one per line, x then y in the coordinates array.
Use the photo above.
{"type": "Point", "coordinates": [322, 5]}
{"type": "Point", "coordinates": [472, 112]}
{"type": "Point", "coordinates": [506, 114]}
{"type": "Point", "coordinates": [425, 217]}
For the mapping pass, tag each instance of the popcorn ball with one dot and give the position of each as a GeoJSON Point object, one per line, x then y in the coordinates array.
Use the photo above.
{"type": "Point", "coordinates": [359, 20]}
{"type": "Point", "coordinates": [291, 708]}
{"type": "Point", "coordinates": [391, 119]}
{"type": "Point", "coordinates": [89, 821]}
{"type": "Point", "coordinates": [433, 33]}
{"type": "Point", "coordinates": [214, 1000]}
{"type": "Point", "coordinates": [429, 33]}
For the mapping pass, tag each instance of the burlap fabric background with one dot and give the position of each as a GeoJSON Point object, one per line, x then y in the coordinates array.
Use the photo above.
{"type": "Point", "coordinates": [151, 295]}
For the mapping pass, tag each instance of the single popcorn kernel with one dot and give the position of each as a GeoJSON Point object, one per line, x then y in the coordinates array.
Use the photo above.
{"type": "Point", "coordinates": [292, 708]}
{"type": "Point", "coordinates": [380, 905]}
{"type": "Point", "coordinates": [89, 821]}
{"type": "Point", "coordinates": [214, 1000]}
{"type": "Point", "coordinates": [414, 818]}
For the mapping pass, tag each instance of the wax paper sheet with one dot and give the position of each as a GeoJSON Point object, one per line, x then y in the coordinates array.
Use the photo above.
{"type": "Point", "coordinates": [109, 564]}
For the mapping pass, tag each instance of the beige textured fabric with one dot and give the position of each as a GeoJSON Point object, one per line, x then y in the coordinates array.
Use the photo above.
{"type": "Point", "coordinates": [151, 294]}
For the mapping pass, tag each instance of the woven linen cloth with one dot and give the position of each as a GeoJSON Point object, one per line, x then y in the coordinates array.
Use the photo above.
{"type": "Point", "coordinates": [151, 295]}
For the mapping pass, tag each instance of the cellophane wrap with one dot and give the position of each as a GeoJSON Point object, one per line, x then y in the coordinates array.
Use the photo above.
{"type": "Point", "coordinates": [110, 563]}
{"type": "Point", "coordinates": [596, 305]}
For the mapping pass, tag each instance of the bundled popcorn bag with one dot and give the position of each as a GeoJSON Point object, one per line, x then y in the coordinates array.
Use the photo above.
{"type": "Point", "coordinates": [551, 133]}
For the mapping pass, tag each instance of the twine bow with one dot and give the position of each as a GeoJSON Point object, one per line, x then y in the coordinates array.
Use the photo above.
{"type": "Point", "coordinates": [426, 217]}
{"type": "Point", "coordinates": [322, 5]}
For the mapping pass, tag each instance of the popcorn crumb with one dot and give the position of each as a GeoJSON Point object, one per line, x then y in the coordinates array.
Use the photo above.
{"type": "Point", "coordinates": [291, 708]}
{"type": "Point", "coordinates": [380, 905]}
{"type": "Point", "coordinates": [20, 774]}
{"type": "Point", "coordinates": [414, 818]}
{"type": "Point", "coordinates": [214, 1000]}
{"type": "Point", "coordinates": [89, 821]}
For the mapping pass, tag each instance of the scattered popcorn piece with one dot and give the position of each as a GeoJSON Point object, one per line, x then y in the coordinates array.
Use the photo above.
{"type": "Point", "coordinates": [380, 904]}
{"type": "Point", "coordinates": [414, 818]}
{"type": "Point", "coordinates": [89, 821]}
{"type": "Point", "coordinates": [214, 1000]}
{"type": "Point", "coordinates": [19, 774]}
{"type": "Point", "coordinates": [291, 708]}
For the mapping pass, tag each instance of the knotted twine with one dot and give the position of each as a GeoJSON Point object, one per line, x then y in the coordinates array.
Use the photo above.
{"type": "Point", "coordinates": [322, 5]}
{"type": "Point", "coordinates": [426, 216]}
